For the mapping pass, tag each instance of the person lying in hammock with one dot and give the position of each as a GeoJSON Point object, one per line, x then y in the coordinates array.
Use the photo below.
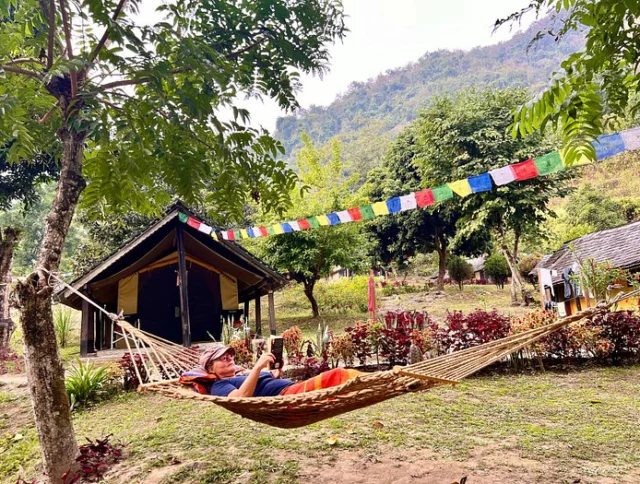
{"type": "Point", "coordinates": [218, 375]}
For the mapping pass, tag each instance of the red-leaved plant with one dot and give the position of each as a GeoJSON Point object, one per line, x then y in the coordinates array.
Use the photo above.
{"type": "Point", "coordinates": [474, 329]}
{"type": "Point", "coordinates": [95, 459]}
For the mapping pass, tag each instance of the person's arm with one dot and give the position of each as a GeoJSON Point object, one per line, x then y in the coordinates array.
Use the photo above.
{"type": "Point", "coordinates": [249, 385]}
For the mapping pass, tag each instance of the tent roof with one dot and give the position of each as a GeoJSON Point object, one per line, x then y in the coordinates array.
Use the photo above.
{"type": "Point", "coordinates": [157, 242]}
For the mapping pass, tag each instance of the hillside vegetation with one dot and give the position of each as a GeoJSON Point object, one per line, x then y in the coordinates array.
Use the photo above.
{"type": "Point", "coordinates": [371, 113]}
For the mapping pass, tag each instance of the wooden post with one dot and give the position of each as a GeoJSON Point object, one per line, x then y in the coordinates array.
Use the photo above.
{"type": "Point", "coordinates": [107, 332]}
{"type": "Point", "coordinates": [543, 295]}
{"type": "Point", "coordinates": [184, 293]}
{"type": "Point", "coordinates": [258, 316]}
{"type": "Point", "coordinates": [246, 311]}
{"type": "Point", "coordinates": [272, 314]}
{"type": "Point", "coordinates": [99, 331]}
{"type": "Point", "coordinates": [86, 329]}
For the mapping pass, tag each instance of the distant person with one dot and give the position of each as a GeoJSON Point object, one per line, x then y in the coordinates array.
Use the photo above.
{"type": "Point", "coordinates": [218, 375]}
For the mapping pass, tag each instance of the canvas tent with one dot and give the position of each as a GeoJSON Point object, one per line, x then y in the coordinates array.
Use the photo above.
{"type": "Point", "coordinates": [172, 281]}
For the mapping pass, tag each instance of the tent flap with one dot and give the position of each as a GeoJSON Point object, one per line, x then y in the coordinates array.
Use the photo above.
{"type": "Point", "coordinates": [128, 294]}
{"type": "Point", "coordinates": [229, 292]}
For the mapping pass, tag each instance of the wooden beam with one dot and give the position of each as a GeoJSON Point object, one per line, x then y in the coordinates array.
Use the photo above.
{"type": "Point", "coordinates": [184, 292]}
{"type": "Point", "coordinates": [272, 314]}
{"type": "Point", "coordinates": [258, 316]}
{"type": "Point", "coordinates": [246, 310]}
{"type": "Point", "coordinates": [86, 329]}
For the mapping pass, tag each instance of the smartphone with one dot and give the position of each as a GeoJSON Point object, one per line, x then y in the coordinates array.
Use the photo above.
{"type": "Point", "coordinates": [277, 348]}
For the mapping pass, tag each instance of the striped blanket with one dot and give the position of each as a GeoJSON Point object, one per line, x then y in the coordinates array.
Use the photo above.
{"type": "Point", "coordinates": [328, 379]}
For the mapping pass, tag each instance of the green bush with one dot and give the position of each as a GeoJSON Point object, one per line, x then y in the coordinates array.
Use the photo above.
{"type": "Point", "coordinates": [63, 326]}
{"type": "Point", "coordinates": [496, 267]}
{"type": "Point", "coordinates": [459, 270]}
{"type": "Point", "coordinates": [344, 295]}
{"type": "Point", "coordinates": [85, 382]}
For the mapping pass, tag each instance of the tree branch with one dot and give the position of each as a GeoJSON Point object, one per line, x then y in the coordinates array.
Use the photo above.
{"type": "Point", "coordinates": [105, 36]}
{"type": "Point", "coordinates": [67, 34]}
{"type": "Point", "coordinates": [52, 32]}
{"type": "Point", "coordinates": [18, 70]}
{"type": "Point", "coordinates": [141, 80]}
{"type": "Point", "coordinates": [235, 55]}
{"type": "Point", "coordinates": [23, 60]}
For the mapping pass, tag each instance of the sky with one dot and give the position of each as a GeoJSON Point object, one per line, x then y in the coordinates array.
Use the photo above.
{"type": "Point", "coordinates": [386, 34]}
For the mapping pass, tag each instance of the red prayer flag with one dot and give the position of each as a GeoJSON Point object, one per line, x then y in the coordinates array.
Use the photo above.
{"type": "Point", "coordinates": [304, 224]}
{"type": "Point", "coordinates": [356, 216]}
{"type": "Point", "coordinates": [192, 222]}
{"type": "Point", "coordinates": [231, 234]}
{"type": "Point", "coordinates": [263, 231]}
{"type": "Point", "coordinates": [525, 170]}
{"type": "Point", "coordinates": [425, 197]}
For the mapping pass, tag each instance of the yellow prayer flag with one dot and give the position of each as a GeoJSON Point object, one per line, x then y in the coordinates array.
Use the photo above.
{"type": "Point", "coordinates": [460, 187]}
{"type": "Point", "coordinates": [277, 229]}
{"type": "Point", "coordinates": [214, 236]}
{"type": "Point", "coordinates": [323, 220]}
{"type": "Point", "coordinates": [380, 208]}
{"type": "Point", "coordinates": [244, 234]}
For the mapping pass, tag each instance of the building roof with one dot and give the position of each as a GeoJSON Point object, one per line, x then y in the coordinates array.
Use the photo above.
{"type": "Point", "coordinates": [620, 246]}
{"type": "Point", "coordinates": [477, 263]}
{"type": "Point", "coordinates": [158, 241]}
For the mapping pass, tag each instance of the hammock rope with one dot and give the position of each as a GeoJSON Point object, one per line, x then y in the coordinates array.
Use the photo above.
{"type": "Point", "coordinates": [292, 411]}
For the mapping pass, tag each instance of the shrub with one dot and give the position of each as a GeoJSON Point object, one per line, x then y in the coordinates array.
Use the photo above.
{"type": "Point", "coordinates": [476, 328]}
{"type": "Point", "coordinates": [244, 352]}
{"type": "Point", "coordinates": [85, 382]}
{"type": "Point", "coordinates": [496, 266]}
{"type": "Point", "coordinates": [360, 340]}
{"type": "Point", "coordinates": [459, 270]}
{"type": "Point", "coordinates": [527, 264]}
{"type": "Point", "coordinates": [292, 341]}
{"type": "Point", "coordinates": [621, 329]}
{"type": "Point", "coordinates": [307, 367]}
{"type": "Point", "coordinates": [10, 362]}
{"type": "Point", "coordinates": [95, 459]}
{"type": "Point", "coordinates": [344, 295]}
{"type": "Point", "coordinates": [342, 348]}
{"type": "Point", "coordinates": [394, 339]}
{"type": "Point", "coordinates": [63, 326]}
{"type": "Point", "coordinates": [129, 375]}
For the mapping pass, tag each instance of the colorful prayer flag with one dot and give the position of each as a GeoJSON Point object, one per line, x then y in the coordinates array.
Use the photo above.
{"type": "Point", "coordinates": [502, 176]}
{"type": "Point", "coordinates": [323, 220]}
{"type": "Point", "coordinates": [367, 213]}
{"type": "Point", "coordinates": [183, 217]}
{"type": "Point", "coordinates": [380, 208]}
{"type": "Point", "coordinates": [271, 230]}
{"type": "Point", "coordinates": [225, 235]}
{"type": "Point", "coordinates": [344, 216]}
{"type": "Point", "coordinates": [304, 224]}
{"type": "Point", "coordinates": [549, 163]}
{"type": "Point", "coordinates": [295, 226]}
{"type": "Point", "coordinates": [525, 170]}
{"type": "Point", "coordinates": [608, 145]}
{"type": "Point", "coordinates": [631, 139]}
{"type": "Point", "coordinates": [313, 222]}
{"type": "Point", "coordinates": [205, 229]}
{"type": "Point", "coordinates": [425, 198]}
{"type": "Point", "coordinates": [244, 234]}
{"type": "Point", "coordinates": [393, 205]}
{"type": "Point", "coordinates": [214, 236]}
{"type": "Point", "coordinates": [442, 192]}
{"type": "Point", "coordinates": [192, 222]}
{"type": "Point", "coordinates": [333, 218]}
{"type": "Point", "coordinates": [408, 202]}
{"type": "Point", "coordinates": [264, 231]}
{"type": "Point", "coordinates": [287, 228]}
{"type": "Point", "coordinates": [480, 183]}
{"type": "Point", "coordinates": [232, 234]}
{"type": "Point", "coordinates": [355, 214]}
{"type": "Point", "coordinates": [278, 229]}
{"type": "Point", "coordinates": [460, 187]}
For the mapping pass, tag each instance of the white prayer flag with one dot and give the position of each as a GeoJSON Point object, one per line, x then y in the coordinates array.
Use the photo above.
{"type": "Point", "coordinates": [631, 139]}
{"type": "Point", "coordinates": [295, 226]}
{"type": "Point", "coordinates": [204, 228]}
{"type": "Point", "coordinates": [502, 176]}
{"type": "Point", "coordinates": [408, 202]}
{"type": "Point", "coordinates": [344, 216]}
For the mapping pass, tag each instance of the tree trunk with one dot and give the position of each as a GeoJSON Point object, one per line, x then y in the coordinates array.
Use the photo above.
{"type": "Point", "coordinates": [308, 291]}
{"type": "Point", "coordinates": [8, 240]}
{"type": "Point", "coordinates": [441, 249]}
{"type": "Point", "coordinates": [517, 284]}
{"type": "Point", "coordinates": [44, 368]}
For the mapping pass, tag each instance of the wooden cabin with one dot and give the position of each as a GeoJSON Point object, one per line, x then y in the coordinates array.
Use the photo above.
{"type": "Point", "coordinates": [175, 282]}
{"type": "Point", "coordinates": [620, 246]}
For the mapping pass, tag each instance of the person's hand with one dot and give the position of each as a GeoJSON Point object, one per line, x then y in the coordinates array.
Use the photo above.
{"type": "Point", "coordinates": [265, 360]}
{"type": "Point", "coordinates": [276, 373]}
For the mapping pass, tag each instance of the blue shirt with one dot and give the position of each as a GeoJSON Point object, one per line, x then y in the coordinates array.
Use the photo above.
{"type": "Point", "coordinates": [267, 386]}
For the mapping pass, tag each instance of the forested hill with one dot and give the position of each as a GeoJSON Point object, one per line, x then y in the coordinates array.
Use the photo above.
{"type": "Point", "coordinates": [370, 113]}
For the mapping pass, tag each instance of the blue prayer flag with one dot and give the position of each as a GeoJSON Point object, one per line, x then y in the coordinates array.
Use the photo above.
{"type": "Point", "coordinates": [333, 218]}
{"type": "Point", "coordinates": [480, 183]}
{"type": "Point", "coordinates": [394, 205]}
{"type": "Point", "coordinates": [608, 145]}
{"type": "Point", "coordinates": [286, 227]}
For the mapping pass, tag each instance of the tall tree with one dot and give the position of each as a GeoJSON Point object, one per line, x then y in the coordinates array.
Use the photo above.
{"type": "Point", "coordinates": [466, 136]}
{"type": "Point", "coordinates": [139, 110]}
{"type": "Point", "coordinates": [597, 85]}
{"type": "Point", "coordinates": [307, 256]}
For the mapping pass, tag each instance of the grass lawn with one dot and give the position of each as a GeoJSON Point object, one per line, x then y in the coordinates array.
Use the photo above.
{"type": "Point", "coordinates": [552, 427]}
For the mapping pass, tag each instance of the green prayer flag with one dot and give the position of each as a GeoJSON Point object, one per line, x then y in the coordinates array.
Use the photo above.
{"type": "Point", "coordinates": [443, 192]}
{"type": "Point", "coordinates": [549, 163]}
{"type": "Point", "coordinates": [313, 222]}
{"type": "Point", "coordinates": [270, 230]}
{"type": "Point", "coordinates": [367, 212]}
{"type": "Point", "coordinates": [183, 217]}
